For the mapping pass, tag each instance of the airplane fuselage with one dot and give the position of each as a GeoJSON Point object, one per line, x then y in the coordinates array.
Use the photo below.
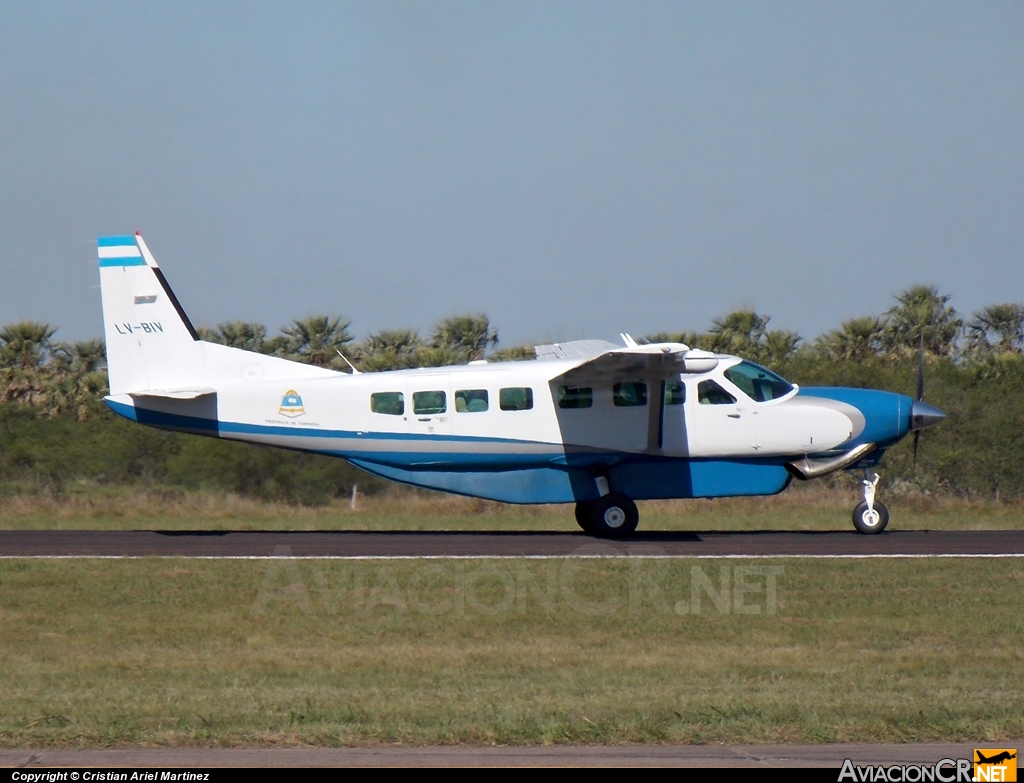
{"type": "Point", "coordinates": [505, 430]}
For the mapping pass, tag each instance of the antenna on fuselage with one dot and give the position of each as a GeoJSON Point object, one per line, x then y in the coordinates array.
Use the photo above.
{"type": "Point", "coordinates": [354, 370]}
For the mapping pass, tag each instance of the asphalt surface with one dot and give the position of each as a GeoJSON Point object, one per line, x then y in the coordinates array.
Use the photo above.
{"type": "Point", "coordinates": [147, 543]}
{"type": "Point", "coordinates": [828, 756]}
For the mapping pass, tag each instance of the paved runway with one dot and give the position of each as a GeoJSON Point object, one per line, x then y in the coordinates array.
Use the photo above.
{"type": "Point", "coordinates": [349, 544]}
{"type": "Point", "coordinates": [471, 756]}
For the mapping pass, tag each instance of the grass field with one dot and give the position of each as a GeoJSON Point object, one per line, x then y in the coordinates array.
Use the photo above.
{"type": "Point", "coordinates": [812, 506]}
{"type": "Point", "coordinates": [187, 652]}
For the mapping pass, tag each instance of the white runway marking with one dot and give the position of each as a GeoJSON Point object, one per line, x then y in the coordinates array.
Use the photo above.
{"type": "Point", "coordinates": [512, 557]}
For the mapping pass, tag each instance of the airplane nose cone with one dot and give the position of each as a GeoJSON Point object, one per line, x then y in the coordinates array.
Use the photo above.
{"type": "Point", "coordinates": [924, 415]}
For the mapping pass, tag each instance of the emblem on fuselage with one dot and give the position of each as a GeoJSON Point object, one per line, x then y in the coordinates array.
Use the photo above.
{"type": "Point", "coordinates": [291, 404]}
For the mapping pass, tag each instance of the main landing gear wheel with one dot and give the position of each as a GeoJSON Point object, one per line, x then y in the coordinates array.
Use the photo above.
{"type": "Point", "coordinates": [583, 515]}
{"type": "Point", "coordinates": [612, 516]}
{"type": "Point", "coordinates": [870, 520]}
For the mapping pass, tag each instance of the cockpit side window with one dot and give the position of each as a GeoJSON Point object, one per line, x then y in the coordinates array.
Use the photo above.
{"type": "Point", "coordinates": [710, 393]}
{"type": "Point", "coordinates": [758, 383]}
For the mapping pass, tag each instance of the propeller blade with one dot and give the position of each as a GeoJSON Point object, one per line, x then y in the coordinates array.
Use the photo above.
{"type": "Point", "coordinates": [917, 437]}
{"type": "Point", "coordinates": [920, 371]}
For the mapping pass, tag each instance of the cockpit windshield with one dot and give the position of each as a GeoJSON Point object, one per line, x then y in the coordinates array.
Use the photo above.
{"type": "Point", "coordinates": [758, 383]}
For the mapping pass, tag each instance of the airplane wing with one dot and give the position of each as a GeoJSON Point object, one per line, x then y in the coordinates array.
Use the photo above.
{"type": "Point", "coordinates": [639, 362]}
{"type": "Point", "coordinates": [574, 349]}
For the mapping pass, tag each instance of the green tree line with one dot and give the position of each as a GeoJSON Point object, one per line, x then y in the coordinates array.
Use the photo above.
{"type": "Point", "coordinates": [55, 430]}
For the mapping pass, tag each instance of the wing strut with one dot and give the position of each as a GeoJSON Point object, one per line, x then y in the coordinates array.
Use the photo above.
{"type": "Point", "coordinates": [655, 416]}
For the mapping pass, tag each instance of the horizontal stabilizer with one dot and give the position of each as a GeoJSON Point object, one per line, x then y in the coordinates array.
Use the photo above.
{"type": "Point", "coordinates": [174, 394]}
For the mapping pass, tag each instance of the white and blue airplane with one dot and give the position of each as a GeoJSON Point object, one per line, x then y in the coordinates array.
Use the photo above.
{"type": "Point", "coordinates": [586, 422]}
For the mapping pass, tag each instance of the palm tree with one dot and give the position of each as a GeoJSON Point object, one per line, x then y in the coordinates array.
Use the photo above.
{"type": "Point", "coordinates": [391, 349]}
{"type": "Point", "coordinates": [922, 315]}
{"type": "Point", "coordinates": [469, 336]}
{"type": "Point", "coordinates": [997, 329]}
{"type": "Point", "coordinates": [26, 344]}
{"type": "Point", "coordinates": [686, 338]}
{"type": "Point", "coordinates": [317, 340]}
{"type": "Point", "coordinates": [778, 346]}
{"type": "Point", "coordinates": [24, 354]}
{"type": "Point", "coordinates": [249, 336]}
{"type": "Point", "coordinates": [78, 378]}
{"type": "Point", "coordinates": [739, 333]}
{"type": "Point", "coordinates": [856, 340]}
{"type": "Point", "coordinates": [515, 353]}
{"type": "Point", "coordinates": [85, 356]}
{"type": "Point", "coordinates": [442, 356]}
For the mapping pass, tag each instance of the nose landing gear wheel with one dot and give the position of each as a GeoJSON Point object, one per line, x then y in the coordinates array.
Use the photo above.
{"type": "Point", "coordinates": [873, 521]}
{"type": "Point", "coordinates": [613, 516]}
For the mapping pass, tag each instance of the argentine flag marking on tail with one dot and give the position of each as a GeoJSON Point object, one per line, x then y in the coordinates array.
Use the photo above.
{"type": "Point", "coordinates": [119, 251]}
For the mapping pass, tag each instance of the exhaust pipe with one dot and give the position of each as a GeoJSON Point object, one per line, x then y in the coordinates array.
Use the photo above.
{"type": "Point", "coordinates": [807, 468]}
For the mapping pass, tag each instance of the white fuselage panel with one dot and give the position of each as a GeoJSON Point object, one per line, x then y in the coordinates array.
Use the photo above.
{"type": "Point", "coordinates": [293, 413]}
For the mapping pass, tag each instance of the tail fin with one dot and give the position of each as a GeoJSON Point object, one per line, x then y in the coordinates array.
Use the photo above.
{"type": "Point", "coordinates": [151, 344]}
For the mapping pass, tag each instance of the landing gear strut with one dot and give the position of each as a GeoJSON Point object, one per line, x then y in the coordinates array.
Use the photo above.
{"type": "Point", "coordinates": [612, 516]}
{"type": "Point", "coordinates": [870, 516]}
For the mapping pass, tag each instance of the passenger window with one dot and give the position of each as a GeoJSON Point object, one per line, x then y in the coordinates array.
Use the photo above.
{"type": "Point", "coordinates": [575, 397]}
{"type": "Point", "coordinates": [629, 394]}
{"type": "Point", "coordinates": [710, 393]}
{"type": "Point", "coordinates": [675, 393]}
{"type": "Point", "coordinates": [515, 399]}
{"type": "Point", "coordinates": [428, 403]}
{"type": "Point", "coordinates": [391, 403]}
{"type": "Point", "coordinates": [471, 401]}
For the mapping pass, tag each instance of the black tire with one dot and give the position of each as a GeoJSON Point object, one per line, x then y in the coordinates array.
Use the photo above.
{"type": "Point", "coordinates": [583, 515]}
{"type": "Point", "coordinates": [870, 524]}
{"type": "Point", "coordinates": [613, 516]}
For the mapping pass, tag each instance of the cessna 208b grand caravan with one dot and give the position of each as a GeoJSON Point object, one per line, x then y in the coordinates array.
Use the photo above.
{"type": "Point", "coordinates": [586, 422]}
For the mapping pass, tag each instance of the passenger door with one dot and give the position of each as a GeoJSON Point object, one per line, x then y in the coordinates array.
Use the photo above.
{"type": "Point", "coordinates": [429, 409]}
{"type": "Point", "coordinates": [721, 422]}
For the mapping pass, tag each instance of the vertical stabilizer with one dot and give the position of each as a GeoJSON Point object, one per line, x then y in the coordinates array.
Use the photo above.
{"type": "Point", "coordinates": [151, 344]}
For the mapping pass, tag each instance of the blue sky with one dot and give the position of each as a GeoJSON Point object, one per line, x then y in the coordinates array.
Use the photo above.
{"type": "Point", "coordinates": [571, 169]}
